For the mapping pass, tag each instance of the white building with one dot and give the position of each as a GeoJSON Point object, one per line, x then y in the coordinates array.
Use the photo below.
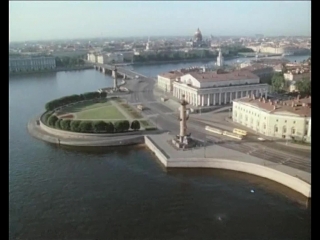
{"type": "Point", "coordinates": [216, 88]}
{"type": "Point", "coordinates": [110, 58]}
{"type": "Point", "coordinates": [92, 57]}
{"type": "Point", "coordinates": [165, 80]}
{"type": "Point", "coordinates": [287, 119]}
{"type": "Point", "coordinates": [220, 60]}
{"type": "Point", "coordinates": [28, 64]}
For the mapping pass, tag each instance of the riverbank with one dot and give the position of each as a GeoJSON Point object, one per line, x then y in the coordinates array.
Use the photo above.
{"type": "Point", "coordinates": [182, 61]}
{"type": "Point", "coordinates": [215, 156]}
{"type": "Point", "coordinates": [60, 69]}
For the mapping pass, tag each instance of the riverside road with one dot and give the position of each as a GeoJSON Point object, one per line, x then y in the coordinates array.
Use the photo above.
{"type": "Point", "coordinates": [167, 119]}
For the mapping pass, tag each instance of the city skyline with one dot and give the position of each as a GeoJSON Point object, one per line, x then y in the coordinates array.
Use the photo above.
{"type": "Point", "coordinates": [29, 21]}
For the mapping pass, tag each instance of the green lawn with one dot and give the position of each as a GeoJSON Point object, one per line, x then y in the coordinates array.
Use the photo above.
{"type": "Point", "coordinates": [104, 112]}
{"type": "Point", "coordinates": [83, 106]}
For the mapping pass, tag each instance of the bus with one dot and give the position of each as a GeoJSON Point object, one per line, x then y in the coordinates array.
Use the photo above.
{"type": "Point", "coordinates": [232, 135]}
{"type": "Point", "coordinates": [240, 132]}
{"type": "Point", "coordinates": [214, 130]}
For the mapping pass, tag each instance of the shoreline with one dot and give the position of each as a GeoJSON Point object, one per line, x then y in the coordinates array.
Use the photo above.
{"type": "Point", "coordinates": [158, 143]}
{"type": "Point", "coordinates": [181, 61]}
{"type": "Point", "coordinates": [64, 69]}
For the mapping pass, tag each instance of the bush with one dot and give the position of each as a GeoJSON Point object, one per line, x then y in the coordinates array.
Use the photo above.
{"type": "Point", "coordinates": [57, 124]}
{"type": "Point", "coordinates": [125, 125]}
{"type": "Point", "coordinates": [65, 124]}
{"type": "Point", "coordinates": [74, 126]}
{"type": "Point", "coordinates": [104, 94]}
{"type": "Point", "coordinates": [118, 126]}
{"type": "Point", "coordinates": [52, 120]}
{"type": "Point", "coordinates": [110, 127]}
{"type": "Point", "coordinates": [135, 125]}
{"type": "Point", "coordinates": [46, 117]}
{"type": "Point", "coordinates": [86, 126]}
{"type": "Point", "coordinates": [99, 126]}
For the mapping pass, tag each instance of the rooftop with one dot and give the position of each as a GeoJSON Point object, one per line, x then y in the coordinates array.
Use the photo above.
{"type": "Point", "coordinates": [301, 107]}
{"type": "Point", "coordinates": [218, 76]}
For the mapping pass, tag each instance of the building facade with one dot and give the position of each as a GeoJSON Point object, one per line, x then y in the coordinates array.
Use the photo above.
{"type": "Point", "coordinates": [29, 64]}
{"type": "Point", "coordinates": [287, 119]}
{"type": "Point", "coordinates": [217, 88]}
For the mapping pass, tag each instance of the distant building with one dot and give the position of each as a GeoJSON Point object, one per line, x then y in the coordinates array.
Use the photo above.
{"type": "Point", "coordinates": [110, 58]}
{"type": "Point", "coordinates": [217, 87]}
{"type": "Point", "coordinates": [220, 60]}
{"type": "Point", "coordinates": [29, 64]}
{"type": "Point", "coordinates": [286, 119]}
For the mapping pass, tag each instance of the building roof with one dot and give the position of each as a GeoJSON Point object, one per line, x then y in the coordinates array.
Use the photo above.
{"type": "Point", "coordinates": [172, 74]}
{"type": "Point", "coordinates": [301, 107]}
{"type": "Point", "coordinates": [218, 76]}
{"type": "Point", "coordinates": [257, 67]}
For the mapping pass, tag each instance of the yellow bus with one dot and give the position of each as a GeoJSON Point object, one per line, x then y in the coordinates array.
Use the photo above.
{"type": "Point", "coordinates": [232, 135]}
{"type": "Point", "coordinates": [240, 132]}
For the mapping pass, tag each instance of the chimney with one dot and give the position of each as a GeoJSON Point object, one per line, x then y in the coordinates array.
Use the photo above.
{"type": "Point", "coordinates": [298, 97]}
{"type": "Point", "coordinates": [274, 107]}
{"type": "Point", "coordinates": [292, 104]}
{"type": "Point", "coordinates": [264, 100]}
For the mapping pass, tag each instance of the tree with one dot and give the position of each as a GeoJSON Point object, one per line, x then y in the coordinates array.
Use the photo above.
{"type": "Point", "coordinates": [277, 82]}
{"type": "Point", "coordinates": [65, 124]}
{"type": "Point", "coordinates": [110, 127]}
{"type": "Point", "coordinates": [125, 125]}
{"type": "Point", "coordinates": [46, 117]}
{"type": "Point", "coordinates": [304, 86]}
{"type": "Point", "coordinates": [99, 126]}
{"type": "Point", "coordinates": [135, 125]}
{"type": "Point", "coordinates": [52, 120]}
{"type": "Point", "coordinates": [118, 126]}
{"type": "Point", "coordinates": [86, 126]}
{"type": "Point", "coordinates": [74, 126]}
{"type": "Point", "coordinates": [57, 123]}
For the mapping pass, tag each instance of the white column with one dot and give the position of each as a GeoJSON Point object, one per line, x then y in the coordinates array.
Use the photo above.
{"type": "Point", "coordinates": [214, 99]}
{"type": "Point", "coordinates": [202, 100]}
{"type": "Point", "coordinates": [231, 96]}
{"type": "Point", "coordinates": [225, 98]}
{"type": "Point", "coordinates": [209, 99]}
{"type": "Point", "coordinates": [219, 98]}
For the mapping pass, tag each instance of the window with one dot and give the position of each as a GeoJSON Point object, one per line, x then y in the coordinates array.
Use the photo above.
{"type": "Point", "coordinates": [284, 129]}
{"type": "Point", "coordinates": [293, 130]}
{"type": "Point", "coordinates": [264, 126]}
{"type": "Point", "coordinates": [275, 128]}
{"type": "Point", "coordinates": [258, 123]}
{"type": "Point", "coordinates": [285, 121]}
{"type": "Point", "coordinates": [294, 122]}
{"type": "Point", "coordinates": [277, 120]}
{"type": "Point", "coordinates": [306, 132]}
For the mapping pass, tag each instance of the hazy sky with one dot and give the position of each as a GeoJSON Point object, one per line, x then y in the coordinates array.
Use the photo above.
{"type": "Point", "coordinates": [42, 20]}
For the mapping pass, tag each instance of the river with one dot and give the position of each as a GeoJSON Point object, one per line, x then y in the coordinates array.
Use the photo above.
{"type": "Point", "coordinates": [124, 193]}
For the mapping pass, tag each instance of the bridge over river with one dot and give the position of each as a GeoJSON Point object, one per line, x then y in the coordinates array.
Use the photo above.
{"type": "Point", "coordinates": [126, 73]}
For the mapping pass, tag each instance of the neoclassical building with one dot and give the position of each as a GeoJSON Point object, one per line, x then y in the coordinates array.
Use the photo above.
{"type": "Point", "coordinates": [28, 64]}
{"type": "Point", "coordinates": [279, 119]}
{"type": "Point", "coordinates": [217, 87]}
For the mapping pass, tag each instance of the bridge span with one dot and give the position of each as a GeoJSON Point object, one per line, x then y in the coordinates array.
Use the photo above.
{"type": "Point", "coordinates": [126, 73]}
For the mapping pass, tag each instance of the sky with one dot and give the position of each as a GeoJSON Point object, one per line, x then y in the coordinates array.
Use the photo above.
{"type": "Point", "coordinates": [45, 20]}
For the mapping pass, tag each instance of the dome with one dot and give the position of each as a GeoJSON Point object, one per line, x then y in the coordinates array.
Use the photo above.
{"type": "Point", "coordinates": [198, 35]}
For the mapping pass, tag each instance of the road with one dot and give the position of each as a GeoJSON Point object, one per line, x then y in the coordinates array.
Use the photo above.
{"type": "Point", "coordinates": [167, 119]}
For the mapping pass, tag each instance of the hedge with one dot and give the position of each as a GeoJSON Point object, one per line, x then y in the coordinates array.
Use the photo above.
{"type": "Point", "coordinates": [73, 99]}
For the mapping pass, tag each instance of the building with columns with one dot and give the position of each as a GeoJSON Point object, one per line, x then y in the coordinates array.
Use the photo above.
{"type": "Point", "coordinates": [279, 119]}
{"type": "Point", "coordinates": [217, 87]}
{"type": "Point", "coordinates": [29, 64]}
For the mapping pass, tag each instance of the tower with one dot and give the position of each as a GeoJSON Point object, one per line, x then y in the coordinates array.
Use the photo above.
{"type": "Point", "coordinates": [183, 120]}
{"type": "Point", "coordinates": [220, 61]}
{"type": "Point", "coordinates": [115, 75]}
